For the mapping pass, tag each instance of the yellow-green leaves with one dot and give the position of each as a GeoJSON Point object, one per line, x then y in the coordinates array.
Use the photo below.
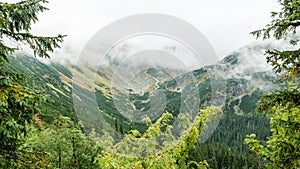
{"type": "Point", "coordinates": [173, 154]}
{"type": "Point", "coordinates": [282, 148]}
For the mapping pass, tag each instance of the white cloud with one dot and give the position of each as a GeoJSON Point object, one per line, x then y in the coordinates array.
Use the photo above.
{"type": "Point", "coordinates": [225, 23]}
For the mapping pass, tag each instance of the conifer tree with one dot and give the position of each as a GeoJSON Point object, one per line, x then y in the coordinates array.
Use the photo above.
{"type": "Point", "coordinates": [282, 149]}
{"type": "Point", "coordinates": [18, 103]}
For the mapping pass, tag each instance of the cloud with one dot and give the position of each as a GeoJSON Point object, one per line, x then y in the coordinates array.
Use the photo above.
{"type": "Point", "coordinates": [225, 23]}
{"type": "Point", "coordinates": [251, 58]}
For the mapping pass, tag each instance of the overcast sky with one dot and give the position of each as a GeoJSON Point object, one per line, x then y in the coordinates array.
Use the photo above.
{"type": "Point", "coordinates": [226, 23]}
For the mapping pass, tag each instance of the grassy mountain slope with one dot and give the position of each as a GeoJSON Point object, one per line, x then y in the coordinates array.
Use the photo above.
{"type": "Point", "coordinates": [244, 86]}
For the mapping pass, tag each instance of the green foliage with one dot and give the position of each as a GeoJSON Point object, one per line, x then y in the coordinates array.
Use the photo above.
{"type": "Point", "coordinates": [60, 145]}
{"type": "Point", "coordinates": [16, 20]}
{"type": "Point", "coordinates": [282, 149]}
{"type": "Point", "coordinates": [284, 24]}
{"type": "Point", "coordinates": [18, 104]}
{"type": "Point", "coordinates": [173, 154]}
{"type": "Point", "coordinates": [220, 155]}
{"type": "Point", "coordinates": [224, 148]}
{"type": "Point", "coordinates": [285, 21]}
{"type": "Point", "coordinates": [230, 132]}
{"type": "Point", "coordinates": [38, 77]}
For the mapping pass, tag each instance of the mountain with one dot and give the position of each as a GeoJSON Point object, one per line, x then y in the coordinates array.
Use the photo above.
{"type": "Point", "coordinates": [245, 83]}
{"type": "Point", "coordinates": [99, 98]}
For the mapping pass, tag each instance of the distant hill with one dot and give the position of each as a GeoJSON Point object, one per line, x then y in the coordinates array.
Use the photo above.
{"type": "Point", "coordinates": [245, 72]}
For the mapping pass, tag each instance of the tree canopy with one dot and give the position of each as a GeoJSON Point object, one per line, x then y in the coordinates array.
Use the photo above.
{"type": "Point", "coordinates": [18, 103]}
{"type": "Point", "coordinates": [282, 149]}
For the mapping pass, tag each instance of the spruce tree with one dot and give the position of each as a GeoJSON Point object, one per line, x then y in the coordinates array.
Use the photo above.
{"type": "Point", "coordinates": [18, 103]}
{"type": "Point", "coordinates": [282, 149]}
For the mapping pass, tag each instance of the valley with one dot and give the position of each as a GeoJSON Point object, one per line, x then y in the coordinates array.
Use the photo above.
{"type": "Point", "coordinates": [237, 120]}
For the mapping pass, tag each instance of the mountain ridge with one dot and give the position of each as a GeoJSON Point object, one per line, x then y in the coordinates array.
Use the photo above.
{"type": "Point", "coordinates": [57, 82]}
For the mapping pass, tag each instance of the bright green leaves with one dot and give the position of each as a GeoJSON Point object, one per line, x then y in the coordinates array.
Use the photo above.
{"type": "Point", "coordinates": [282, 149]}
{"type": "Point", "coordinates": [59, 145]}
{"type": "Point", "coordinates": [287, 97]}
{"type": "Point", "coordinates": [10, 132]}
{"type": "Point", "coordinates": [173, 153]}
{"type": "Point", "coordinates": [256, 147]}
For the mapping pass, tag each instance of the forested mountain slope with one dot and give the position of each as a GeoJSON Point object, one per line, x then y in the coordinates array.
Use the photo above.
{"type": "Point", "coordinates": [245, 83]}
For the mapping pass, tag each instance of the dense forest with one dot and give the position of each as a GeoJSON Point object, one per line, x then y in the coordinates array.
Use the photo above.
{"type": "Point", "coordinates": [41, 128]}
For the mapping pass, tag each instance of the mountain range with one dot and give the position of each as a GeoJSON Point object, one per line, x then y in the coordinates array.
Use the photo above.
{"type": "Point", "coordinates": [100, 98]}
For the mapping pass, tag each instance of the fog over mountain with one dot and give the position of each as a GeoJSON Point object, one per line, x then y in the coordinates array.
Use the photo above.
{"type": "Point", "coordinates": [168, 53]}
